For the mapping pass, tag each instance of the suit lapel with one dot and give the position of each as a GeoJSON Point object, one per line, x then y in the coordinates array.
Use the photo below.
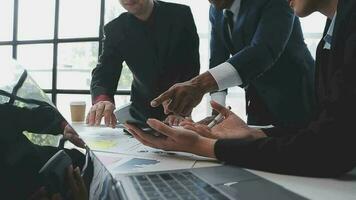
{"type": "Point", "coordinates": [343, 8]}
{"type": "Point", "coordinates": [241, 20]}
{"type": "Point", "coordinates": [237, 40]}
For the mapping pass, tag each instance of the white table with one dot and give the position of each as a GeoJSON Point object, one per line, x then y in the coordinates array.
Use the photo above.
{"type": "Point", "coordinates": [127, 148]}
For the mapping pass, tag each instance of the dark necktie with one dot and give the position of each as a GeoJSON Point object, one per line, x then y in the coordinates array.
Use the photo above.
{"type": "Point", "coordinates": [228, 26]}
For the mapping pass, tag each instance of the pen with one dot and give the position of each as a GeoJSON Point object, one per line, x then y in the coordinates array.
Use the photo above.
{"type": "Point", "coordinates": [217, 119]}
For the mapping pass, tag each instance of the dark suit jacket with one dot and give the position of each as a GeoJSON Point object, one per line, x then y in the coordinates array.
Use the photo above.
{"type": "Point", "coordinates": [327, 146]}
{"type": "Point", "coordinates": [272, 59]}
{"type": "Point", "coordinates": [160, 53]}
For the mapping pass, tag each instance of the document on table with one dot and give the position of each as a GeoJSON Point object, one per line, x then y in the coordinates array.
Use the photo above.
{"type": "Point", "coordinates": [111, 140]}
{"type": "Point", "coordinates": [123, 164]}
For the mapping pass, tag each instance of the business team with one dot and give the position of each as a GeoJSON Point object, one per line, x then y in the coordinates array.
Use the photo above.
{"type": "Point", "coordinates": [270, 60]}
{"type": "Point", "coordinates": [323, 148]}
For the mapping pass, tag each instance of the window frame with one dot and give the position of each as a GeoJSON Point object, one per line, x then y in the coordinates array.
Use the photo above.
{"type": "Point", "coordinates": [54, 91]}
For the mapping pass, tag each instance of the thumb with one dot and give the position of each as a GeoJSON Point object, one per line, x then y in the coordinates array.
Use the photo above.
{"type": "Point", "coordinates": [220, 109]}
{"type": "Point", "coordinates": [162, 98]}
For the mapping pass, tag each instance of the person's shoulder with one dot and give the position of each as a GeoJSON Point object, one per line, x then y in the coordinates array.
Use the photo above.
{"type": "Point", "coordinates": [174, 8]}
{"type": "Point", "coordinates": [117, 23]}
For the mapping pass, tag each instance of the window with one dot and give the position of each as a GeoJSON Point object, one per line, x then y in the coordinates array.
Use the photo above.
{"type": "Point", "coordinates": [35, 19]}
{"type": "Point", "coordinates": [313, 27]}
{"type": "Point", "coordinates": [55, 42]}
{"type": "Point", "coordinates": [6, 19]}
{"type": "Point", "coordinates": [38, 64]}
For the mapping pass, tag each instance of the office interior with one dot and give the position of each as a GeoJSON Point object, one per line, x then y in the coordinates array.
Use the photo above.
{"type": "Point", "coordinates": [59, 42]}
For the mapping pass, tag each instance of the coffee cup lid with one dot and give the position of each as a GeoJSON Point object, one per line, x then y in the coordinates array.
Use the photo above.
{"type": "Point", "coordinates": [77, 103]}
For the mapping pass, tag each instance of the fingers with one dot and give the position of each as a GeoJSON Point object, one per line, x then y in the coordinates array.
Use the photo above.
{"type": "Point", "coordinates": [98, 111]}
{"type": "Point", "coordinates": [165, 105]}
{"type": "Point", "coordinates": [107, 115]}
{"type": "Point", "coordinates": [74, 138]}
{"type": "Point", "coordinates": [162, 128]}
{"type": "Point", "coordinates": [87, 118]}
{"type": "Point", "coordinates": [219, 108]}
{"type": "Point", "coordinates": [200, 129]}
{"type": "Point", "coordinates": [113, 120]}
{"type": "Point", "coordinates": [169, 120]}
{"type": "Point", "coordinates": [173, 120]}
{"type": "Point", "coordinates": [163, 97]}
{"type": "Point", "coordinates": [79, 180]}
{"type": "Point", "coordinates": [146, 139]}
{"type": "Point", "coordinates": [71, 181]}
{"type": "Point", "coordinates": [186, 122]}
{"type": "Point", "coordinates": [91, 117]}
{"type": "Point", "coordinates": [176, 121]}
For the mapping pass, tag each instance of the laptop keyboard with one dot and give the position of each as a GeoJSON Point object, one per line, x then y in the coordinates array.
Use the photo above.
{"type": "Point", "coordinates": [174, 186]}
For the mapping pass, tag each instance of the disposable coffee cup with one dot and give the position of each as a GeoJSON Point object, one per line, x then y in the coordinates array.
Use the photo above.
{"type": "Point", "coordinates": [77, 111]}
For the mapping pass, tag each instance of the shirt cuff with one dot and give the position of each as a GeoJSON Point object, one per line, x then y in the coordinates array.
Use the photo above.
{"type": "Point", "coordinates": [225, 76]}
{"type": "Point", "coordinates": [103, 97]}
{"type": "Point", "coordinates": [219, 97]}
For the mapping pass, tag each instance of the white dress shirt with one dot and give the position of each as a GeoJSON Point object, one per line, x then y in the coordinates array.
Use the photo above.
{"type": "Point", "coordinates": [225, 74]}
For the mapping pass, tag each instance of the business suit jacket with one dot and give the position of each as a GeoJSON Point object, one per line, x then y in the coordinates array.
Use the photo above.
{"type": "Point", "coordinates": [272, 60]}
{"type": "Point", "coordinates": [159, 53]}
{"type": "Point", "coordinates": [327, 146]}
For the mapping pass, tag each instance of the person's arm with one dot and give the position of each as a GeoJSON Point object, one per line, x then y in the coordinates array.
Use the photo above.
{"type": "Point", "coordinates": [42, 120]}
{"type": "Point", "coordinates": [105, 76]}
{"type": "Point", "coordinates": [218, 55]}
{"type": "Point", "coordinates": [268, 43]}
{"type": "Point", "coordinates": [323, 149]}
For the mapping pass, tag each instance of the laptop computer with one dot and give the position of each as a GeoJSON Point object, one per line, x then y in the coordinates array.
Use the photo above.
{"type": "Point", "coordinates": [219, 183]}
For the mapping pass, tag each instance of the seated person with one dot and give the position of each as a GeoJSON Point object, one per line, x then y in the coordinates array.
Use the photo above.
{"type": "Point", "coordinates": [325, 148]}
{"type": "Point", "coordinates": [21, 160]}
{"type": "Point", "coordinates": [159, 43]}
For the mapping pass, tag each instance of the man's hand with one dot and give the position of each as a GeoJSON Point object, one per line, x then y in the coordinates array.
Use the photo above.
{"type": "Point", "coordinates": [98, 111]}
{"type": "Point", "coordinates": [71, 135]}
{"type": "Point", "coordinates": [177, 139]}
{"type": "Point", "coordinates": [76, 184]}
{"type": "Point", "coordinates": [206, 120]}
{"type": "Point", "coordinates": [174, 120]}
{"type": "Point", "coordinates": [181, 98]}
{"type": "Point", "coordinates": [231, 127]}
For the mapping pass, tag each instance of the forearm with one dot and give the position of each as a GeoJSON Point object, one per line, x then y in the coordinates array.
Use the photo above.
{"type": "Point", "coordinates": [103, 82]}
{"type": "Point", "coordinates": [305, 154]}
{"type": "Point", "coordinates": [105, 76]}
{"type": "Point", "coordinates": [205, 82]}
{"type": "Point", "coordinates": [43, 119]}
{"type": "Point", "coordinates": [46, 120]}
